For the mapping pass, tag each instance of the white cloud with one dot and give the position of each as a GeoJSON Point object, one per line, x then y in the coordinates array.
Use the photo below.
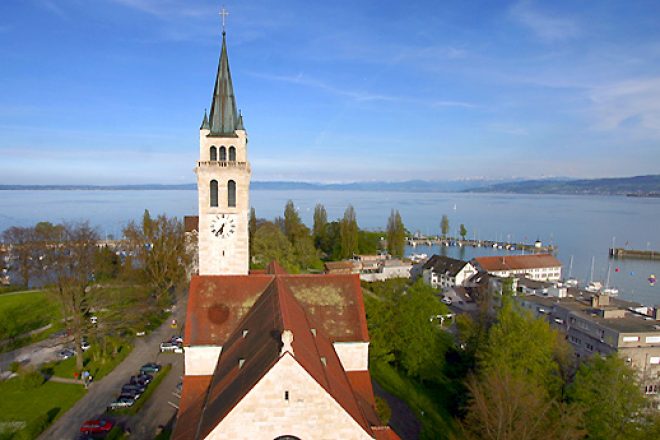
{"type": "Point", "coordinates": [632, 105]}
{"type": "Point", "coordinates": [547, 28]}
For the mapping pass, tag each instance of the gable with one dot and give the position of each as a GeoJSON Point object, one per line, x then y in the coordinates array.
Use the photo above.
{"type": "Point", "coordinates": [308, 413]}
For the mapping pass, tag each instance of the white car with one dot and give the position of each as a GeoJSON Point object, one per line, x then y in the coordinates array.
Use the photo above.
{"type": "Point", "coordinates": [84, 345]}
{"type": "Point", "coordinates": [169, 347]}
{"type": "Point", "coordinates": [446, 300]}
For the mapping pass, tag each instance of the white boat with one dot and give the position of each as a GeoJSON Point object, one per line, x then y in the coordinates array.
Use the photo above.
{"type": "Point", "coordinates": [594, 287]}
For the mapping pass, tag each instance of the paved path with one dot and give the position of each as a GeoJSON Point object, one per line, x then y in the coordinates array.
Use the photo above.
{"type": "Point", "coordinates": [104, 391]}
{"type": "Point", "coordinates": [35, 354]}
{"type": "Point", "coordinates": [403, 421]}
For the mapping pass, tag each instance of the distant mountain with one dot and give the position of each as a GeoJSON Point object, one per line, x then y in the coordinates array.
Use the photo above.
{"type": "Point", "coordinates": [639, 186]}
{"type": "Point", "coordinates": [406, 186]}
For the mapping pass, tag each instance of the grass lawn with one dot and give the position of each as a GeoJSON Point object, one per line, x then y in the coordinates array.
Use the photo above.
{"type": "Point", "coordinates": [22, 312]}
{"type": "Point", "coordinates": [37, 406]}
{"type": "Point", "coordinates": [426, 402]}
{"type": "Point", "coordinates": [98, 367]}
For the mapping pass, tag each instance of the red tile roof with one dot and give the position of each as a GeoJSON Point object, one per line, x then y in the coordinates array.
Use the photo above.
{"type": "Point", "coordinates": [191, 223]}
{"type": "Point", "coordinates": [216, 304]}
{"type": "Point", "coordinates": [517, 262]}
{"type": "Point", "coordinates": [191, 405]}
{"type": "Point", "coordinates": [253, 348]}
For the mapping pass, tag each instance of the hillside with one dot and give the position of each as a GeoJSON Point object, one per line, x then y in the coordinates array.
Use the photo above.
{"type": "Point", "coordinates": [635, 186]}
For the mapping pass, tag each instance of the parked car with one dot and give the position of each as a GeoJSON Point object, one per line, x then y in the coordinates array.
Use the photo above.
{"type": "Point", "coordinates": [151, 367]}
{"type": "Point", "coordinates": [66, 354]}
{"type": "Point", "coordinates": [176, 339]}
{"type": "Point", "coordinates": [96, 426]}
{"type": "Point", "coordinates": [141, 380]}
{"type": "Point", "coordinates": [94, 319]}
{"type": "Point", "coordinates": [84, 345]}
{"type": "Point", "coordinates": [137, 388]}
{"type": "Point", "coordinates": [121, 402]}
{"type": "Point", "coordinates": [130, 394]}
{"type": "Point", "coordinates": [446, 300]}
{"type": "Point", "coordinates": [170, 347]}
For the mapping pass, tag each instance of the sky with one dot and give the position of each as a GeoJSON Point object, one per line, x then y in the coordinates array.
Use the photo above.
{"type": "Point", "coordinates": [114, 91]}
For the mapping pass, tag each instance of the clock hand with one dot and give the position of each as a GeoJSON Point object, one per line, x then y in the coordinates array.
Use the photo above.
{"type": "Point", "coordinates": [222, 228]}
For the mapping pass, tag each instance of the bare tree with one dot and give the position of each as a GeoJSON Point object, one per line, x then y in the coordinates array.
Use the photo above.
{"type": "Point", "coordinates": [20, 243]}
{"type": "Point", "coordinates": [160, 251]}
{"type": "Point", "coordinates": [71, 265]}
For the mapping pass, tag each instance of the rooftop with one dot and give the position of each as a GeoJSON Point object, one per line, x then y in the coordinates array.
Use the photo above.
{"type": "Point", "coordinates": [517, 262]}
{"type": "Point", "coordinates": [445, 265]}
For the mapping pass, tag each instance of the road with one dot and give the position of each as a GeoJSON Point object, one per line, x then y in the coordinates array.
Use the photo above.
{"type": "Point", "coordinates": [154, 413]}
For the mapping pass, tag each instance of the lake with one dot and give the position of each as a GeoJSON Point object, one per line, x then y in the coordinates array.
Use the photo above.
{"type": "Point", "coordinates": [580, 226]}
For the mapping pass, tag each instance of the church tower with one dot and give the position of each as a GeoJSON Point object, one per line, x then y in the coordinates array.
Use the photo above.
{"type": "Point", "coordinates": [223, 182]}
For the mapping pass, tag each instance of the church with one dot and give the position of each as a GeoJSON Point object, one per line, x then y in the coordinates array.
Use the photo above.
{"type": "Point", "coordinates": [268, 355]}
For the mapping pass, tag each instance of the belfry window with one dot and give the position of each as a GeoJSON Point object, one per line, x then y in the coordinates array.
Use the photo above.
{"type": "Point", "coordinates": [232, 154]}
{"type": "Point", "coordinates": [223, 154]}
{"type": "Point", "coordinates": [231, 194]}
{"type": "Point", "coordinates": [214, 193]}
{"type": "Point", "coordinates": [213, 153]}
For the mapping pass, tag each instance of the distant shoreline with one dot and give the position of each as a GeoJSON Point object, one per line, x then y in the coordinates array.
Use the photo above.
{"type": "Point", "coordinates": [637, 186]}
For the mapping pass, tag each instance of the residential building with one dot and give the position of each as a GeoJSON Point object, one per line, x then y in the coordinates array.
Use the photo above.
{"type": "Point", "coordinates": [444, 272]}
{"type": "Point", "coordinates": [600, 325]}
{"type": "Point", "coordinates": [544, 267]}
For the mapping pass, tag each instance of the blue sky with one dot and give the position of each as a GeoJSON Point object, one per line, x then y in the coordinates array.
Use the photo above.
{"type": "Point", "coordinates": [113, 91]}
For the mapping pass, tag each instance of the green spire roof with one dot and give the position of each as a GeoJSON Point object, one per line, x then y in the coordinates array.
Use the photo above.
{"type": "Point", "coordinates": [239, 124]}
{"type": "Point", "coordinates": [224, 116]}
{"type": "Point", "coordinates": [205, 122]}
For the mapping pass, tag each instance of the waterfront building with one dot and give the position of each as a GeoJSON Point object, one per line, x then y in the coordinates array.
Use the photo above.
{"type": "Point", "coordinates": [444, 272]}
{"type": "Point", "coordinates": [267, 355]}
{"type": "Point", "coordinates": [600, 325]}
{"type": "Point", "coordinates": [544, 267]}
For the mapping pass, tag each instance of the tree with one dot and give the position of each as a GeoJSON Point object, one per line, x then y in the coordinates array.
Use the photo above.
{"type": "Point", "coordinates": [444, 226]}
{"type": "Point", "coordinates": [71, 263]}
{"type": "Point", "coordinates": [270, 244]}
{"type": "Point", "coordinates": [463, 231]}
{"type": "Point", "coordinates": [348, 229]}
{"type": "Point", "coordinates": [506, 406]}
{"type": "Point", "coordinates": [396, 235]}
{"type": "Point", "coordinates": [252, 229]}
{"type": "Point", "coordinates": [160, 250]}
{"type": "Point", "coordinates": [607, 391]}
{"type": "Point", "coordinates": [20, 242]}
{"type": "Point", "coordinates": [320, 224]}
{"type": "Point", "coordinates": [293, 226]}
{"type": "Point", "coordinates": [523, 346]}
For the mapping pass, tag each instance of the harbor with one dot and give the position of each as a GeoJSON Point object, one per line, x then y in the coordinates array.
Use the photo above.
{"type": "Point", "coordinates": [634, 254]}
{"type": "Point", "coordinates": [536, 247]}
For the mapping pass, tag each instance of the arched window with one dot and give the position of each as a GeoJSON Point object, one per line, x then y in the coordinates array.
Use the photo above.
{"type": "Point", "coordinates": [232, 154]}
{"type": "Point", "coordinates": [231, 194]}
{"type": "Point", "coordinates": [223, 154]}
{"type": "Point", "coordinates": [214, 193]}
{"type": "Point", "coordinates": [214, 153]}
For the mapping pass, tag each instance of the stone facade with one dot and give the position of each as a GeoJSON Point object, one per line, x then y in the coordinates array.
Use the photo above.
{"type": "Point", "coordinates": [354, 356]}
{"type": "Point", "coordinates": [228, 255]}
{"type": "Point", "coordinates": [201, 360]}
{"type": "Point", "coordinates": [288, 401]}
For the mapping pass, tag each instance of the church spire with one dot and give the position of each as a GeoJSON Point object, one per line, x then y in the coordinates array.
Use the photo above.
{"type": "Point", "coordinates": [205, 122]}
{"type": "Point", "coordinates": [224, 116]}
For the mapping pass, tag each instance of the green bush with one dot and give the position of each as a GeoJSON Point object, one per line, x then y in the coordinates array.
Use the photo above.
{"type": "Point", "coordinates": [33, 429]}
{"type": "Point", "coordinates": [30, 379]}
{"type": "Point", "coordinates": [14, 366]}
{"type": "Point", "coordinates": [383, 410]}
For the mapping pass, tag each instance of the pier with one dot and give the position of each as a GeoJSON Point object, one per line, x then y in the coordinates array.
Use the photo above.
{"type": "Point", "coordinates": [451, 241]}
{"type": "Point", "coordinates": [634, 253]}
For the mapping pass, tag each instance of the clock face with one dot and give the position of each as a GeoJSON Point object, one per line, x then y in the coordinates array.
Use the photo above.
{"type": "Point", "coordinates": [223, 225]}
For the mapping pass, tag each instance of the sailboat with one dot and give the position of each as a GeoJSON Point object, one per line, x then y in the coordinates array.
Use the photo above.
{"type": "Point", "coordinates": [593, 286]}
{"type": "Point", "coordinates": [570, 281]}
{"type": "Point", "coordinates": [612, 291]}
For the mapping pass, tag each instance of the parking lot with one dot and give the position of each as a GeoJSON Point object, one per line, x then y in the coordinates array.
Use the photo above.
{"type": "Point", "coordinates": [158, 409]}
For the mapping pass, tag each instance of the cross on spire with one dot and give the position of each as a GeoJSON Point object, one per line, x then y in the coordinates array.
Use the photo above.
{"type": "Point", "coordinates": [223, 14]}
